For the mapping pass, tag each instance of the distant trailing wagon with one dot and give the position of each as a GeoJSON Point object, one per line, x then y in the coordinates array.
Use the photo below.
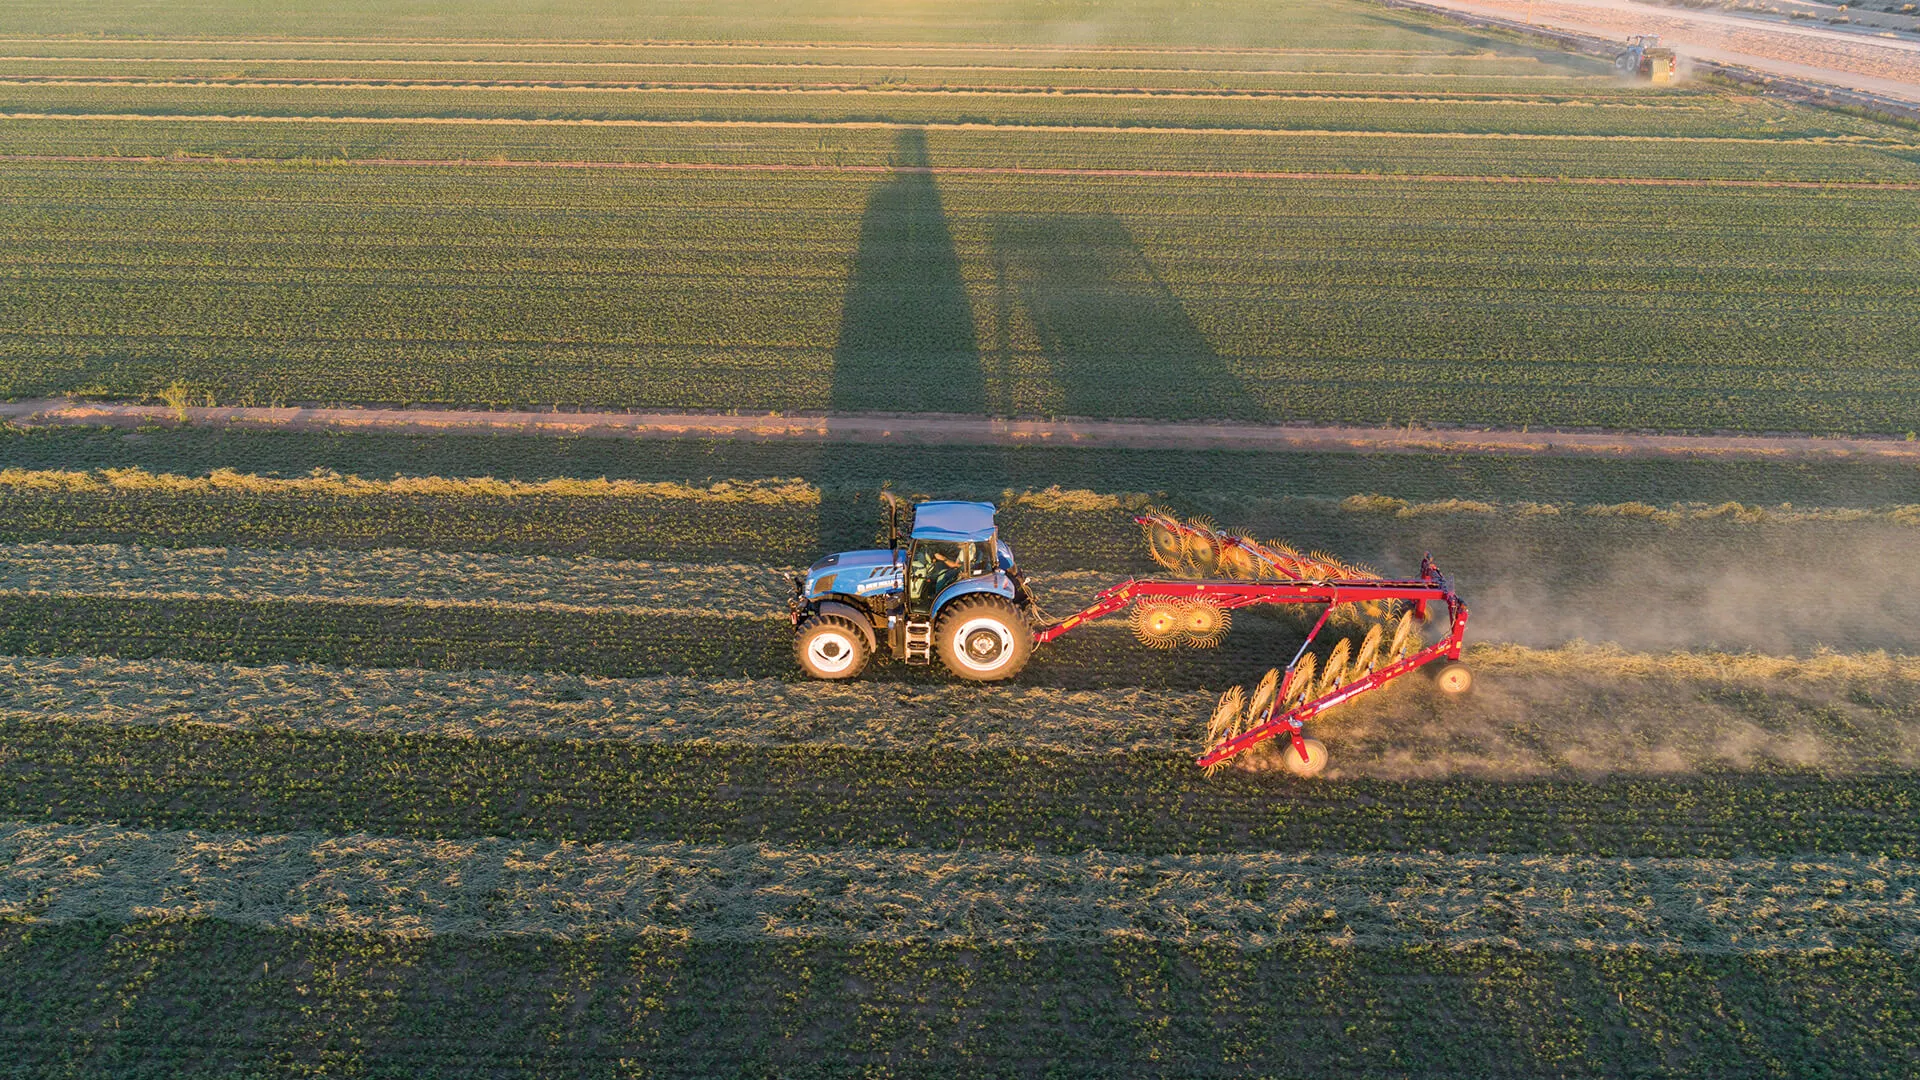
{"type": "Point", "coordinates": [955, 592]}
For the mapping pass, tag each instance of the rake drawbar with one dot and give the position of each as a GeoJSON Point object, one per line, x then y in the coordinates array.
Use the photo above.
{"type": "Point", "coordinates": [1288, 710]}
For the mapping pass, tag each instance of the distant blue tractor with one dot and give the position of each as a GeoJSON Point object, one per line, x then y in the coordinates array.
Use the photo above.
{"type": "Point", "coordinates": [954, 592]}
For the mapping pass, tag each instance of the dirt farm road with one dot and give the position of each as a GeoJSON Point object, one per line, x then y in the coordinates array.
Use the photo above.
{"type": "Point", "coordinates": [962, 430]}
{"type": "Point", "coordinates": [1888, 65]}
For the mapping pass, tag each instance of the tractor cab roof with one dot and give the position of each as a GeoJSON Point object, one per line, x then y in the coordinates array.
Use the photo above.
{"type": "Point", "coordinates": [958, 522]}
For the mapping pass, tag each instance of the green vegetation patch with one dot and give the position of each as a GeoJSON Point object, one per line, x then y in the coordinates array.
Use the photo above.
{"type": "Point", "coordinates": [431, 786]}
{"type": "Point", "coordinates": [110, 998]}
{"type": "Point", "coordinates": [1024, 295]}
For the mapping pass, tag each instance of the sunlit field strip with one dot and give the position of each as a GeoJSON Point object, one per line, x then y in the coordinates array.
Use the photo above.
{"type": "Point", "coordinates": [486, 888]}
{"type": "Point", "coordinates": [797, 492]}
{"type": "Point", "coordinates": [1065, 91]}
{"type": "Point", "coordinates": [1581, 710]}
{"type": "Point", "coordinates": [1652, 138]}
{"type": "Point", "coordinates": [999, 148]}
{"type": "Point", "coordinates": [814, 72]}
{"type": "Point", "coordinates": [739, 46]}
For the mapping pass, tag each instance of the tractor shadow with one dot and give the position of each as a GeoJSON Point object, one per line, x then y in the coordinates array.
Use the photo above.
{"type": "Point", "coordinates": [1115, 338]}
{"type": "Point", "coordinates": [907, 344]}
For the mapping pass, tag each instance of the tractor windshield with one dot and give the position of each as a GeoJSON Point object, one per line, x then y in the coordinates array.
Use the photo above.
{"type": "Point", "coordinates": [937, 564]}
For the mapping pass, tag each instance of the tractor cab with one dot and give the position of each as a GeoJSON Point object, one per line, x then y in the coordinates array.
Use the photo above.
{"type": "Point", "coordinates": [951, 543]}
{"type": "Point", "coordinates": [953, 592]}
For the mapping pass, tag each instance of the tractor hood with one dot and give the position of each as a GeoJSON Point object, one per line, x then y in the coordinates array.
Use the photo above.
{"type": "Point", "coordinates": [857, 573]}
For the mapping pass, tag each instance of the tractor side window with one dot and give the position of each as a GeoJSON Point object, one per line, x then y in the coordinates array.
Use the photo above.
{"type": "Point", "coordinates": [936, 565]}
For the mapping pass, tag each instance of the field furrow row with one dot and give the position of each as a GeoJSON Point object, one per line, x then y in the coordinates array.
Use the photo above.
{"type": "Point", "coordinates": [205, 777]}
{"type": "Point", "coordinates": [1583, 711]}
{"type": "Point", "coordinates": [492, 888]}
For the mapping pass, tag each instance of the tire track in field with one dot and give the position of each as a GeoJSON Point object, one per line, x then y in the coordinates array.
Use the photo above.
{"type": "Point", "coordinates": [999, 170]}
{"type": "Point", "coordinates": [491, 888]}
{"type": "Point", "coordinates": [891, 125]}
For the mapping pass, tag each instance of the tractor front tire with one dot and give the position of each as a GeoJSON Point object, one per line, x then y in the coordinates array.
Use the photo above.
{"type": "Point", "coordinates": [983, 637]}
{"type": "Point", "coordinates": [831, 647]}
{"type": "Point", "coordinates": [1453, 679]}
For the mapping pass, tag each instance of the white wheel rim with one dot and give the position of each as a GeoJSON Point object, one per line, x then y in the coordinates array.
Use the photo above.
{"type": "Point", "coordinates": [983, 644]}
{"type": "Point", "coordinates": [831, 651]}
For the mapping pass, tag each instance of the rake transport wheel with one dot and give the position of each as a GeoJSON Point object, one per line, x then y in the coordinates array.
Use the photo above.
{"type": "Point", "coordinates": [983, 637]}
{"type": "Point", "coordinates": [1453, 678]}
{"type": "Point", "coordinates": [1164, 542]}
{"type": "Point", "coordinates": [831, 647]}
{"type": "Point", "coordinates": [1156, 623]}
{"type": "Point", "coordinates": [1203, 625]}
{"type": "Point", "coordinates": [1314, 763]}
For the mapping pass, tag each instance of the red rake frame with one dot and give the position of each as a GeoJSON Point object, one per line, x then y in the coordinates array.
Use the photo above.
{"type": "Point", "coordinates": [1430, 589]}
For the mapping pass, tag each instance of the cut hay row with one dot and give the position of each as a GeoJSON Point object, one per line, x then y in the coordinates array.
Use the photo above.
{"type": "Point", "coordinates": [492, 888]}
{"type": "Point", "coordinates": [773, 492]}
{"type": "Point", "coordinates": [1585, 712]}
{"type": "Point", "coordinates": [558, 583]}
{"type": "Point", "coordinates": [800, 493]}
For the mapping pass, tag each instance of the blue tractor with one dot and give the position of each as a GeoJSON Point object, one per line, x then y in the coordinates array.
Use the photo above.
{"type": "Point", "coordinates": [953, 592]}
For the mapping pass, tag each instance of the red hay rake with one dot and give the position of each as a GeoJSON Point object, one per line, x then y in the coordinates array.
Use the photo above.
{"type": "Point", "coordinates": [1197, 613]}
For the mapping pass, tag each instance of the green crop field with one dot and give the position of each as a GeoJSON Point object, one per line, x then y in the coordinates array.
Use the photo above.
{"type": "Point", "coordinates": [1316, 211]}
{"type": "Point", "coordinates": [399, 755]}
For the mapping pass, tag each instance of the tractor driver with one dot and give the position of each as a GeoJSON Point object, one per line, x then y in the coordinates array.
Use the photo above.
{"type": "Point", "coordinates": [936, 565]}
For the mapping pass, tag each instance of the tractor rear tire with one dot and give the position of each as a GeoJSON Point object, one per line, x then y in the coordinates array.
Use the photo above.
{"type": "Point", "coordinates": [831, 647]}
{"type": "Point", "coordinates": [1315, 762]}
{"type": "Point", "coordinates": [983, 637]}
{"type": "Point", "coordinates": [1453, 679]}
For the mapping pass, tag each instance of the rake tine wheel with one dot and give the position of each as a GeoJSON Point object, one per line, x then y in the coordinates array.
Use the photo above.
{"type": "Point", "coordinates": [1297, 687]}
{"type": "Point", "coordinates": [1164, 541]}
{"type": "Point", "coordinates": [1260, 708]}
{"type": "Point", "coordinates": [1402, 638]}
{"type": "Point", "coordinates": [1226, 717]}
{"type": "Point", "coordinates": [1156, 623]}
{"type": "Point", "coordinates": [1336, 671]}
{"type": "Point", "coordinates": [1202, 546]}
{"type": "Point", "coordinates": [1236, 561]}
{"type": "Point", "coordinates": [1203, 624]}
{"type": "Point", "coordinates": [1368, 657]}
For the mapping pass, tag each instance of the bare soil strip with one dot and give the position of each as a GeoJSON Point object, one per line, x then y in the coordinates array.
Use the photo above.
{"type": "Point", "coordinates": [965, 430]}
{"type": "Point", "coordinates": [995, 170]}
{"type": "Point", "coordinates": [490, 888]}
{"type": "Point", "coordinates": [891, 125]}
